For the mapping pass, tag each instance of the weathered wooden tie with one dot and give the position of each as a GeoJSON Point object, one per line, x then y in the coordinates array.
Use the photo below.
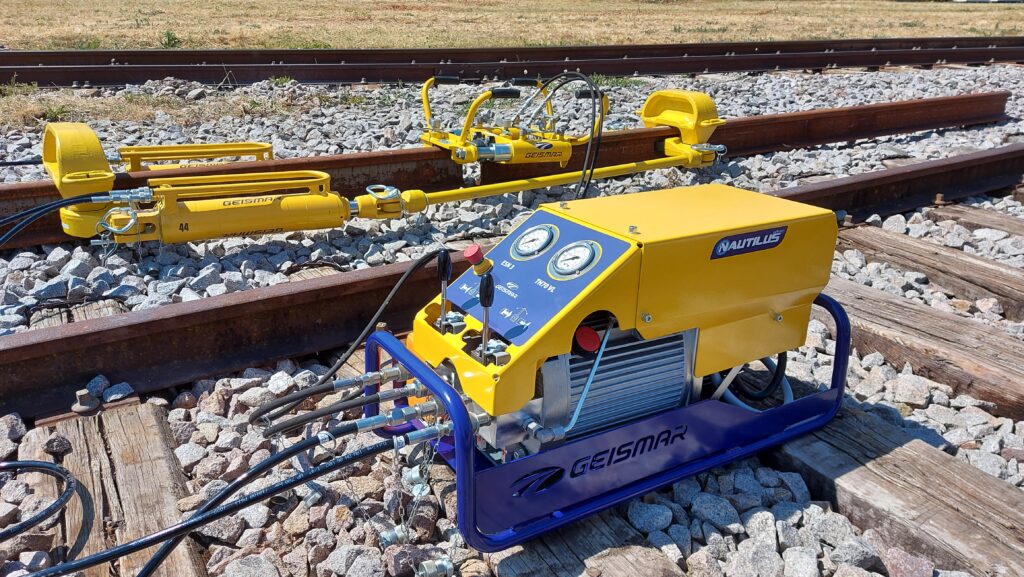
{"type": "Point", "coordinates": [916, 496]}
{"type": "Point", "coordinates": [967, 276]}
{"type": "Point", "coordinates": [974, 218]}
{"type": "Point", "coordinates": [971, 357]}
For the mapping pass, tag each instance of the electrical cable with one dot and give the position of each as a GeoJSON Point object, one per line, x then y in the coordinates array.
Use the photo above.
{"type": "Point", "coordinates": [286, 404]}
{"type": "Point", "coordinates": [254, 472]}
{"type": "Point", "coordinates": [51, 469]}
{"type": "Point", "coordinates": [185, 527]}
{"type": "Point", "coordinates": [745, 390]}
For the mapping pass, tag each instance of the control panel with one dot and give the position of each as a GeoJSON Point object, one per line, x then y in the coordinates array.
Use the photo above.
{"type": "Point", "coordinates": [538, 269]}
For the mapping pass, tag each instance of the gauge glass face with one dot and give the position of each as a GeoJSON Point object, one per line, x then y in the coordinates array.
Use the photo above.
{"type": "Point", "coordinates": [533, 241]}
{"type": "Point", "coordinates": [574, 259]}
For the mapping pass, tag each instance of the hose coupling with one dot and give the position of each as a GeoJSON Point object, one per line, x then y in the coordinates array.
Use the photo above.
{"type": "Point", "coordinates": [140, 194]}
{"type": "Point", "coordinates": [397, 416]}
{"type": "Point", "coordinates": [374, 379]}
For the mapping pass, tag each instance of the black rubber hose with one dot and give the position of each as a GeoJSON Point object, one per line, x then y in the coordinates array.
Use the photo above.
{"type": "Point", "coordinates": [193, 523]}
{"type": "Point", "coordinates": [286, 407]}
{"type": "Point", "coordinates": [38, 212]}
{"type": "Point", "coordinates": [253, 473]}
{"type": "Point", "coordinates": [56, 471]}
{"type": "Point", "coordinates": [49, 206]}
{"type": "Point", "coordinates": [288, 402]}
{"type": "Point", "coordinates": [780, 371]}
{"type": "Point", "coordinates": [303, 419]}
{"type": "Point", "coordinates": [35, 160]}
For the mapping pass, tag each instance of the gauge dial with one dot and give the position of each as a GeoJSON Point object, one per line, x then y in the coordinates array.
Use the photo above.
{"type": "Point", "coordinates": [575, 259]}
{"type": "Point", "coordinates": [534, 241]}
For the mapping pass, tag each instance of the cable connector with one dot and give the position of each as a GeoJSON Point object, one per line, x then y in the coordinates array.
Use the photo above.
{"type": "Point", "coordinates": [374, 379]}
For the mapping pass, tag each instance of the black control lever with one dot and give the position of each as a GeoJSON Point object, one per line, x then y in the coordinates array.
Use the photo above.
{"type": "Point", "coordinates": [444, 274]}
{"type": "Point", "coordinates": [486, 300]}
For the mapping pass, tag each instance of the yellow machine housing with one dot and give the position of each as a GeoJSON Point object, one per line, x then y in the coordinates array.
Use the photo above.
{"type": "Point", "coordinates": [742, 268]}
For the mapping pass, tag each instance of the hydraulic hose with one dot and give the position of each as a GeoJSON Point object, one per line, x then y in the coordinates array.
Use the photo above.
{"type": "Point", "coordinates": [282, 407]}
{"type": "Point", "coordinates": [56, 471]}
{"type": "Point", "coordinates": [757, 395]}
{"type": "Point", "coordinates": [34, 160]}
{"type": "Point", "coordinates": [196, 521]}
{"type": "Point", "coordinates": [333, 408]}
{"type": "Point", "coordinates": [35, 213]}
{"type": "Point", "coordinates": [253, 473]}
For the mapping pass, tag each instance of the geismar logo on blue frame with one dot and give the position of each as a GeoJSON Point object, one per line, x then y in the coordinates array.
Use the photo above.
{"type": "Point", "coordinates": [748, 242]}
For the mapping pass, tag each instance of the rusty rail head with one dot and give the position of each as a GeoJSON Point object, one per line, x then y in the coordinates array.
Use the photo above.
{"type": "Point", "coordinates": [483, 54]}
{"type": "Point", "coordinates": [178, 343]}
{"type": "Point", "coordinates": [476, 69]}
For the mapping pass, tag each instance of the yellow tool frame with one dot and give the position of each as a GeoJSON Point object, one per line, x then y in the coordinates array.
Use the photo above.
{"type": "Point", "coordinates": [200, 208]}
{"type": "Point", "coordinates": [504, 144]}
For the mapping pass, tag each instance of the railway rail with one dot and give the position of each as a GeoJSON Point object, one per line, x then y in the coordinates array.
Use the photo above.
{"type": "Point", "coordinates": [236, 67]}
{"type": "Point", "coordinates": [429, 168]}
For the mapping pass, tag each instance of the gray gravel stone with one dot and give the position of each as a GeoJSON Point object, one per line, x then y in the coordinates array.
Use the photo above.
{"type": "Point", "coordinates": [649, 517]}
{"type": "Point", "coordinates": [189, 455]}
{"type": "Point", "coordinates": [832, 528]}
{"type": "Point", "coordinates": [117, 392]}
{"type": "Point", "coordinates": [800, 562]}
{"type": "Point", "coordinates": [251, 566]}
{"type": "Point", "coordinates": [796, 485]}
{"type": "Point", "coordinates": [717, 511]}
{"type": "Point", "coordinates": [12, 427]}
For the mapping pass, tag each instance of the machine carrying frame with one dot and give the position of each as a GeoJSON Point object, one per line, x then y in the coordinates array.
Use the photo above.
{"type": "Point", "coordinates": [502, 505]}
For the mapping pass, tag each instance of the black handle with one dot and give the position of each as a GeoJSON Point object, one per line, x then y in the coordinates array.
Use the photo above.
{"type": "Point", "coordinates": [444, 266]}
{"type": "Point", "coordinates": [486, 289]}
{"type": "Point", "coordinates": [447, 80]}
{"type": "Point", "coordinates": [505, 92]}
{"type": "Point", "coordinates": [523, 81]}
{"type": "Point", "coordinates": [588, 93]}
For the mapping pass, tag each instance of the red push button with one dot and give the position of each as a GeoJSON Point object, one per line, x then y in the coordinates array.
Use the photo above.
{"type": "Point", "coordinates": [474, 254]}
{"type": "Point", "coordinates": [587, 339]}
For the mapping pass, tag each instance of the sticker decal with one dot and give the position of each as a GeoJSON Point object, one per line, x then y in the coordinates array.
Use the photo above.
{"type": "Point", "coordinates": [748, 242]}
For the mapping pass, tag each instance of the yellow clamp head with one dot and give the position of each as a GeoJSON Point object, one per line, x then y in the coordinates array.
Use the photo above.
{"type": "Point", "coordinates": [74, 158]}
{"type": "Point", "coordinates": [692, 113]}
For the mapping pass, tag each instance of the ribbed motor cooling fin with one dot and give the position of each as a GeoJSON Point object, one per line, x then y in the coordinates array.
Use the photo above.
{"type": "Point", "coordinates": [635, 378]}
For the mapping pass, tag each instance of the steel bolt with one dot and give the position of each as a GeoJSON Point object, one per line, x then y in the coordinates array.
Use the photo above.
{"type": "Point", "coordinates": [85, 402]}
{"type": "Point", "coordinates": [395, 536]}
{"type": "Point", "coordinates": [646, 317]}
{"type": "Point", "coordinates": [634, 229]}
{"type": "Point", "coordinates": [441, 567]}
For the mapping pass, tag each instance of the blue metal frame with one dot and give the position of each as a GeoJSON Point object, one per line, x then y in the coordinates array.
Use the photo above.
{"type": "Point", "coordinates": [522, 499]}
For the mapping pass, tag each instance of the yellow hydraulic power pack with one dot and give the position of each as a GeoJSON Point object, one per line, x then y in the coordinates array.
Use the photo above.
{"type": "Point", "coordinates": [649, 268]}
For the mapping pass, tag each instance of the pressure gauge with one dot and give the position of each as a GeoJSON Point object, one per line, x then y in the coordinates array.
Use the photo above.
{"type": "Point", "coordinates": [534, 241]}
{"type": "Point", "coordinates": [574, 259]}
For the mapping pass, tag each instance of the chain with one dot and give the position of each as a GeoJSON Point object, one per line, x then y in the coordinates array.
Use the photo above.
{"type": "Point", "coordinates": [421, 487]}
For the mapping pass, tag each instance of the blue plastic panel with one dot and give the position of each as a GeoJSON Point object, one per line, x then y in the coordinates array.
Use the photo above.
{"type": "Point", "coordinates": [526, 294]}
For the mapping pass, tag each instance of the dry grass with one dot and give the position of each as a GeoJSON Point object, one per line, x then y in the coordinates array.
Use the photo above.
{"type": "Point", "coordinates": [90, 24]}
{"type": "Point", "coordinates": [24, 106]}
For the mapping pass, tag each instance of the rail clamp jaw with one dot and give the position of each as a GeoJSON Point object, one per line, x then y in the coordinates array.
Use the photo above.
{"type": "Point", "coordinates": [694, 115]}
